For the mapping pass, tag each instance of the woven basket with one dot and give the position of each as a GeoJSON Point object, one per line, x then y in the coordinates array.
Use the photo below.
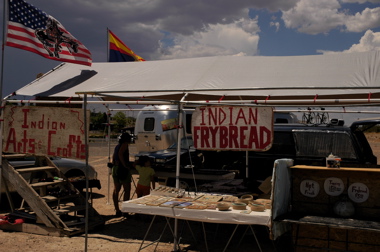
{"type": "Point", "coordinates": [257, 207]}
{"type": "Point", "coordinates": [246, 198]}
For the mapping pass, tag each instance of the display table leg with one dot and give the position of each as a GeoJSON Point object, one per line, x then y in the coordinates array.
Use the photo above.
{"type": "Point", "coordinates": [204, 234]}
{"type": "Point", "coordinates": [229, 240]}
{"type": "Point", "coordinates": [174, 233]}
{"type": "Point", "coordinates": [257, 241]}
{"type": "Point", "coordinates": [147, 232]}
{"type": "Point", "coordinates": [242, 237]}
{"type": "Point", "coordinates": [233, 233]}
{"type": "Point", "coordinates": [191, 231]}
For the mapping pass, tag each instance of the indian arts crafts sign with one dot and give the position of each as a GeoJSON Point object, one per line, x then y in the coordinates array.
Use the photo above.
{"type": "Point", "coordinates": [51, 131]}
{"type": "Point", "coordinates": [232, 128]}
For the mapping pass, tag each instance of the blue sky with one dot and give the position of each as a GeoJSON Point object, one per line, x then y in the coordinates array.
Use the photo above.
{"type": "Point", "coordinates": [169, 29]}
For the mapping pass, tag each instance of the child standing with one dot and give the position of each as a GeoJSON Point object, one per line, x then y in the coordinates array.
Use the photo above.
{"type": "Point", "coordinates": [146, 176]}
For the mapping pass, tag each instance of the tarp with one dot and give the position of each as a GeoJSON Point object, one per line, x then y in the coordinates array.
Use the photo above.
{"type": "Point", "coordinates": [227, 77]}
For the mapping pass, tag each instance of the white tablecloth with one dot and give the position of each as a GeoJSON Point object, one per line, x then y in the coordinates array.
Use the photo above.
{"type": "Point", "coordinates": [205, 215]}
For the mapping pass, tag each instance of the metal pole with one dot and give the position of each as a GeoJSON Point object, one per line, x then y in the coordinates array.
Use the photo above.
{"type": "Point", "coordinates": [178, 167]}
{"type": "Point", "coordinates": [1, 89]}
{"type": "Point", "coordinates": [265, 103]}
{"type": "Point", "coordinates": [246, 164]}
{"type": "Point", "coordinates": [179, 137]}
{"type": "Point", "coordinates": [108, 46]}
{"type": "Point", "coordinates": [109, 151]}
{"type": "Point", "coordinates": [87, 183]}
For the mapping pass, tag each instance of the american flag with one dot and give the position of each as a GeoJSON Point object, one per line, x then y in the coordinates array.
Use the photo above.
{"type": "Point", "coordinates": [31, 29]}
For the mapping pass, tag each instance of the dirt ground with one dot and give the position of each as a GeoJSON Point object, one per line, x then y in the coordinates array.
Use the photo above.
{"type": "Point", "coordinates": [127, 233]}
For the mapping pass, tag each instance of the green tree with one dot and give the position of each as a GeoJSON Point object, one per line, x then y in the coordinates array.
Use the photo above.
{"type": "Point", "coordinates": [120, 121]}
{"type": "Point", "coordinates": [98, 120]}
{"type": "Point", "coordinates": [131, 121]}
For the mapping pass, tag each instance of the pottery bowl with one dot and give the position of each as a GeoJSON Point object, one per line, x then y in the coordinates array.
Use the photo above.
{"type": "Point", "coordinates": [239, 206]}
{"type": "Point", "coordinates": [257, 207]}
{"type": "Point", "coordinates": [223, 206]}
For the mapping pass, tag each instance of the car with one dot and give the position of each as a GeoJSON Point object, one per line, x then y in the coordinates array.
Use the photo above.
{"type": "Point", "coordinates": [74, 170]}
{"type": "Point", "coordinates": [165, 160]}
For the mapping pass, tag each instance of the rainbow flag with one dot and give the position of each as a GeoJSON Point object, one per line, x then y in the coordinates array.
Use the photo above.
{"type": "Point", "coordinates": [119, 52]}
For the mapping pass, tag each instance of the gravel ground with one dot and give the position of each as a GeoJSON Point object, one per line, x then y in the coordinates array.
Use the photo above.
{"type": "Point", "coordinates": [127, 233]}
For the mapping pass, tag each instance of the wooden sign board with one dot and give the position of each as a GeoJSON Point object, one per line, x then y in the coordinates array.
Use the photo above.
{"type": "Point", "coordinates": [232, 128]}
{"type": "Point", "coordinates": [51, 131]}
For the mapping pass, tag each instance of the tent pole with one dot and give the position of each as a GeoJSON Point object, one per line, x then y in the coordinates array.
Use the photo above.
{"type": "Point", "coordinates": [288, 103]}
{"type": "Point", "coordinates": [87, 182]}
{"type": "Point", "coordinates": [178, 167]}
{"type": "Point", "coordinates": [246, 164]}
{"type": "Point", "coordinates": [179, 137]}
{"type": "Point", "coordinates": [109, 151]}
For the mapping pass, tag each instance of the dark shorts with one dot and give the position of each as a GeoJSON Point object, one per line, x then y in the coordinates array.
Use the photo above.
{"type": "Point", "coordinates": [126, 176]}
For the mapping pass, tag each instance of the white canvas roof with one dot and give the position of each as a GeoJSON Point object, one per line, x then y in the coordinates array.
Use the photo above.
{"type": "Point", "coordinates": [229, 77]}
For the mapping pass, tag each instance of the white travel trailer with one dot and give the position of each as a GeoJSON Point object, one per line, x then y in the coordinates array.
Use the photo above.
{"type": "Point", "coordinates": [156, 128]}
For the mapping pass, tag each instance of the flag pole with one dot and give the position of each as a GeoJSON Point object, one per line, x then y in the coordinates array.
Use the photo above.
{"type": "Point", "coordinates": [3, 45]}
{"type": "Point", "coordinates": [108, 46]}
{"type": "Point", "coordinates": [108, 127]}
{"type": "Point", "coordinates": [5, 16]}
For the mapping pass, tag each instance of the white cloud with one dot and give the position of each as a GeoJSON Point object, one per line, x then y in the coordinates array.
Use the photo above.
{"type": "Point", "coordinates": [199, 28]}
{"type": "Point", "coordinates": [361, 1]}
{"type": "Point", "coordinates": [369, 18]}
{"type": "Point", "coordinates": [275, 24]}
{"type": "Point", "coordinates": [369, 42]}
{"type": "Point", "coordinates": [313, 17]}
{"type": "Point", "coordinates": [322, 16]}
{"type": "Point", "coordinates": [240, 37]}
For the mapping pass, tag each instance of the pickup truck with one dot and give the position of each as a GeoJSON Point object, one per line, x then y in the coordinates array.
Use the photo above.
{"type": "Point", "coordinates": [311, 144]}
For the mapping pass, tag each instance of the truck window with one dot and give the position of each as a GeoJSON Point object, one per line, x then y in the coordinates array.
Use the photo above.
{"type": "Point", "coordinates": [149, 124]}
{"type": "Point", "coordinates": [322, 143]}
{"type": "Point", "coordinates": [283, 144]}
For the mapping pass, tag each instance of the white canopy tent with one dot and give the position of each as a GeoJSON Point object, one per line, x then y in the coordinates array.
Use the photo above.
{"type": "Point", "coordinates": [336, 79]}
{"type": "Point", "coordinates": [354, 77]}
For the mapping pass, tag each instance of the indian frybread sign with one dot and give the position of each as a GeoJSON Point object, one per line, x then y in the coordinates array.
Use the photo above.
{"type": "Point", "coordinates": [232, 128]}
{"type": "Point", "coordinates": [49, 131]}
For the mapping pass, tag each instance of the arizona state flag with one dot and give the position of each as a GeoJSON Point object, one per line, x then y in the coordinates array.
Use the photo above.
{"type": "Point", "coordinates": [119, 52]}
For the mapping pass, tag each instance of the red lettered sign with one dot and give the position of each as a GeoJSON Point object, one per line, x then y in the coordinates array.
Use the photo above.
{"type": "Point", "coordinates": [51, 131]}
{"type": "Point", "coordinates": [232, 128]}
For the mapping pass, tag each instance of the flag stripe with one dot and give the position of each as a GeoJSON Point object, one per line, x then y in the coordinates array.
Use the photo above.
{"type": "Point", "coordinates": [114, 50]}
{"type": "Point", "coordinates": [30, 49]}
{"type": "Point", "coordinates": [119, 51]}
{"type": "Point", "coordinates": [114, 47]}
{"type": "Point", "coordinates": [41, 51]}
{"type": "Point", "coordinates": [26, 34]}
{"type": "Point", "coordinates": [27, 42]}
{"type": "Point", "coordinates": [31, 29]}
{"type": "Point", "coordinates": [118, 45]}
{"type": "Point", "coordinates": [23, 38]}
